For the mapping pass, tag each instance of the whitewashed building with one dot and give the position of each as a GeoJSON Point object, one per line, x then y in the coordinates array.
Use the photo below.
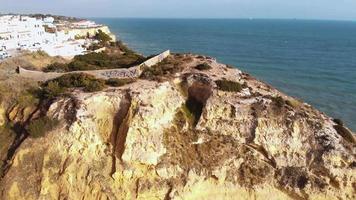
{"type": "Point", "coordinates": [84, 24]}
{"type": "Point", "coordinates": [20, 32]}
{"type": "Point", "coordinates": [27, 33]}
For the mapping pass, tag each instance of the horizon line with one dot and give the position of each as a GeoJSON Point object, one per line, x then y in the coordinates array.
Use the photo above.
{"type": "Point", "coordinates": [199, 18]}
{"type": "Point", "coordinates": [222, 18]}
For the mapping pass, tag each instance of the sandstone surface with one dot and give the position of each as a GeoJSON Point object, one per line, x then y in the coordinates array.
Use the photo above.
{"type": "Point", "coordinates": [179, 136]}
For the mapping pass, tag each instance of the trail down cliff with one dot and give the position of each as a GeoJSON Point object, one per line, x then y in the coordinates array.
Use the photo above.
{"type": "Point", "coordinates": [189, 128]}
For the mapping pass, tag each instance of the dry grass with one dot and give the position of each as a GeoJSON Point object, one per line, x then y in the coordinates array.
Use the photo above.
{"type": "Point", "coordinates": [13, 88]}
{"type": "Point", "coordinates": [34, 60]}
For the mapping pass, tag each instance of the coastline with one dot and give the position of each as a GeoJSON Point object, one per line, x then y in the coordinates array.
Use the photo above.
{"type": "Point", "coordinates": [287, 64]}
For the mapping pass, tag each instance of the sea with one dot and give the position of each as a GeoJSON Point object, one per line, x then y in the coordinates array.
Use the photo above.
{"type": "Point", "coordinates": [312, 60]}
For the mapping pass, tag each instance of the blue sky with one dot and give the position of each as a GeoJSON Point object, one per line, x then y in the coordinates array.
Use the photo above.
{"type": "Point", "coordinates": [300, 9]}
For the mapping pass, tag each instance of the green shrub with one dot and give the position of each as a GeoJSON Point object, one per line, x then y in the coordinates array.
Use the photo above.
{"type": "Point", "coordinates": [204, 66]}
{"type": "Point", "coordinates": [75, 80]}
{"type": "Point", "coordinates": [51, 90]}
{"type": "Point", "coordinates": [151, 72]}
{"type": "Point", "coordinates": [168, 66]}
{"type": "Point", "coordinates": [94, 47]}
{"type": "Point", "coordinates": [228, 86]}
{"type": "Point", "coordinates": [60, 85]}
{"type": "Point", "coordinates": [94, 86]}
{"type": "Point", "coordinates": [95, 61]}
{"type": "Point", "coordinates": [279, 101]}
{"type": "Point", "coordinates": [119, 44]}
{"type": "Point", "coordinates": [56, 67]}
{"type": "Point", "coordinates": [116, 82]}
{"type": "Point", "coordinates": [39, 127]}
{"type": "Point", "coordinates": [102, 37]}
{"type": "Point", "coordinates": [339, 122]}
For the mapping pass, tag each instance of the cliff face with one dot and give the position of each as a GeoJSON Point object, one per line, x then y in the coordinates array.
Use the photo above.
{"type": "Point", "coordinates": [83, 32]}
{"type": "Point", "coordinates": [183, 137]}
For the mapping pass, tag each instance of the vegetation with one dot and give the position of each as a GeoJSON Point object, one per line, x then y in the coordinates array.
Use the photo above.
{"type": "Point", "coordinates": [228, 86]}
{"type": "Point", "coordinates": [60, 86]}
{"type": "Point", "coordinates": [95, 46]}
{"type": "Point", "coordinates": [116, 82]}
{"type": "Point", "coordinates": [56, 67]}
{"type": "Point", "coordinates": [168, 66]}
{"type": "Point", "coordinates": [293, 103]}
{"type": "Point", "coordinates": [339, 122]}
{"type": "Point", "coordinates": [120, 45]}
{"type": "Point", "coordinates": [279, 101]}
{"type": "Point", "coordinates": [204, 66]}
{"type": "Point", "coordinates": [102, 37]}
{"type": "Point", "coordinates": [96, 61]}
{"type": "Point", "coordinates": [27, 99]}
{"type": "Point", "coordinates": [39, 127]}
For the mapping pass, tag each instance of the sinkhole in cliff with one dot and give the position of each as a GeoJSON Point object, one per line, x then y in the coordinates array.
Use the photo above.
{"type": "Point", "coordinates": [198, 94]}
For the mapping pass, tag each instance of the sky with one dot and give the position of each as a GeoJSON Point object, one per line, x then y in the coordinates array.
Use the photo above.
{"type": "Point", "coordinates": [298, 9]}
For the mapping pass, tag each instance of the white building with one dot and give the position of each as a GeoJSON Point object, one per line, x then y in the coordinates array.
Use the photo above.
{"type": "Point", "coordinates": [48, 21]}
{"type": "Point", "coordinates": [20, 32]}
{"type": "Point", "coordinates": [85, 24]}
{"type": "Point", "coordinates": [26, 33]}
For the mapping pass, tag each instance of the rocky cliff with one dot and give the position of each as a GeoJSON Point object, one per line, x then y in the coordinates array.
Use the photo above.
{"type": "Point", "coordinates": [186, 132]}
{"type": "Point", "coordinates": [83, 32]}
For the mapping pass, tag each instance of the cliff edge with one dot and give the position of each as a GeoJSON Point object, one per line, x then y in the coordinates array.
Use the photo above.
{"type": "Point", "coordinates": [188, 128]}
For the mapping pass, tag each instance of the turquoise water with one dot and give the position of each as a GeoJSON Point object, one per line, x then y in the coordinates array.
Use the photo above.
{"type": "Point", "coordinates": [311, 60]}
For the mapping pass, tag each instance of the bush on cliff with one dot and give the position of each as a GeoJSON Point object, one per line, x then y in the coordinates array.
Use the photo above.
{"type": "Point", "coordinates": [116, 82]}
{"type": "Point", "coordinates": [278, 101]}
{"type": "Point", "coordinates": [94, 86]}
{"type": "Point", "coordinates": [168, 66]}
{"type": "Point", "coordinates": [204, 66]}
{"type": "Point", "coordinates": [60, 86]}
{"type": "Point", "coordinates": [96, 61]}
{"type": "Point", "coordinates": [39, 127]}
{"type": "Point", "coordinates": [228, 86]}
{"type": "Point", "coordinates": [56, 67]}
{"type": "Point", "coordinates": [102, 37]}
{"type": "Point", "coordinates": [120, 45]}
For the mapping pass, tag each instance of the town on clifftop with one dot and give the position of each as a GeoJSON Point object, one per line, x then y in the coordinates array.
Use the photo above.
{"type": "Point", "coordinates": [55, 35]}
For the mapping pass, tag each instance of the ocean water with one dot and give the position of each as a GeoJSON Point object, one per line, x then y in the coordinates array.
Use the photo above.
{"type": "Point", "coordinates": [312, 60]}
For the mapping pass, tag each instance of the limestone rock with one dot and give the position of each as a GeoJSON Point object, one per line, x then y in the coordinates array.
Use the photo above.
{"type": "Point", "coordinates": [184, 138]}
{"type": "Point", "coordinates": [2, 116]}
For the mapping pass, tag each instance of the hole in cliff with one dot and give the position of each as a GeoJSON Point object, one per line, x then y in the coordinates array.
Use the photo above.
{"type": "Point", "coordinates": [120, 129]}
{"type": "Point", "coordinates": [302, 182]}
{"type": "Point", "coordinates": [198, 94]}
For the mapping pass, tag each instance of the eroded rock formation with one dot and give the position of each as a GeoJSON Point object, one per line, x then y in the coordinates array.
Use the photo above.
{"type": "Point", "coordinates": [181, 137]}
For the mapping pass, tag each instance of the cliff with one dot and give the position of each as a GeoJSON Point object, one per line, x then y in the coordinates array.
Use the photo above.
{"type": "Point", "coordinates": [189, 129]}
{"type": "Point", "coordinates": [83, 32]}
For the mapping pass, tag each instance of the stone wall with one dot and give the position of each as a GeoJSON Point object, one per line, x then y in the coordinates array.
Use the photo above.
{"type": "Point", "coordinates": [156, 59]}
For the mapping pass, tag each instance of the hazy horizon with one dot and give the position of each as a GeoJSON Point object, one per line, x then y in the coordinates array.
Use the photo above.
{"type": "Point", "coordinates": [183, 9]}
